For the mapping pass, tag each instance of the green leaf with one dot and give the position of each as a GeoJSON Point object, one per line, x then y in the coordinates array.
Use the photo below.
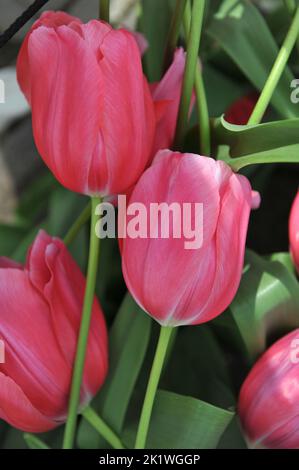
{"type": "Point", "coordinates": [10, 238]}
{"type": "Point", "coordinates": [182, 422]}
{"type": "Point", "coordinates": [241, 31]}
{"type": "Point", "coordinates": [64, 208]}
{"type": "Point", "coordinates": [198, 367]}
{"type": "Point", "coordinates": [266, 304]}
{"type": "Point", "coordinates": [128, 340]}
{"type": "Point", "coordinates": [220, 89]}
{"type": "Point", "coordinates": [34, 442]}
{"type": "Point", "coordinates": [271, 142]}
{"type": "Point", "coordinates": [34, 199]}
{"type": "Point", "coordinates": [154, 24]}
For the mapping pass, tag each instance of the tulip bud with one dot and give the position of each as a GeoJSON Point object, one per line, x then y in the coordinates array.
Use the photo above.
{"type": "Point", "coordinates": [269, 398]}
{"type": "Point", "coordinates": [294, 231]}
{"type": "Point", "coordinates": [166, 95]}
{"type": "Point", "coordinates": [92, 113]}
{"type": "Point", "coordinates": [177, 285]}
{"type": "Point", "coordinates": [40, 311]}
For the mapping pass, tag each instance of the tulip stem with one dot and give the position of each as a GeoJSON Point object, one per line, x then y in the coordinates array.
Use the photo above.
{"type": "Point", "coordinates": [276, 72]}
{"type": "Point", "coordinates": [102, 428]}
{"type": "Point", "coordinates": [155, 374]}
{"type": "Point", "coordinates": [174, 31]}
{"type": "Point", "coordinates": [105, 10]}
{"type": "Point", "coordinates": [94, 249]}
{"type": "Point", "coordinates": [75, 228]}
{"type": "Point", "coordinates": [190, 68]}
{"type": "Point", "coordinates": [201, 99]}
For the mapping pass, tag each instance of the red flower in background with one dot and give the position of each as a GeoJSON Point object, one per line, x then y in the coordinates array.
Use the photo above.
{"type": "Point", "coordinates": [240, 111]}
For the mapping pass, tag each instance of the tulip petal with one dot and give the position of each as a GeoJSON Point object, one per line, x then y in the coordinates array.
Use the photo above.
{"type": "Point", "coordinates": [126, 110]}
{"type": "Point", "coordinates": [190, 178]}
{"type": "Point", "coordinates": [9, 263]}
{"type": "Point", "coordinates": [294, 231]}
{"type": "Point", "coordinates": [166, 95]}
{"type": "Point", "coordinates": [32, 358]}
{"type": "Point", "coordinates": [49, 19]}
{"type": "Point", "coordinates": [65, 100]}
{"type": "Point", "coordinates": [230, 247]}
{"type": "Point", "coordinates": [18, 411]}
{"type": "Point", "coordinates": [55, 274]}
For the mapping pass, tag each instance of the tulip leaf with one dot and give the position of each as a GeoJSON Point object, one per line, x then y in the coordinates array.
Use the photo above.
{"type": "Point", "coordinates": [64, 208]}
{"type": "Point", "coordinates": [154, 24]}
{"type": "Point", "coordinates": [34, 442]}
{"type": "Point", "coordinates": [10, 238]}
{"type": "Point", "coordinates": [197, 354]}
{"type": "Point", "coordinates": [271, 142]}
{"type": "Point", "coordinates": [128, 341]}
{"type": "Point", "coordinates": [182, 422]}
{"type": "Point", "coordinates": [241, 31]}
{"type": "Point", "coordinates": [266, 305]}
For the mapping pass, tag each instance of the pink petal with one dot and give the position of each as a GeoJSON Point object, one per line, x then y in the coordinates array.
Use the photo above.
{"type": "Point", "coordinates": [190, 178]}
{"type": "Point", "coordinates": [65, 100]}
{"type": "Point", "coordinates": [127, 118]}
{"type": "Point", "coordinates": [166, 95]}
{"type": "Point", "coordinates": [18, 411]}
{"type": "Point", "coordinates": [32, 358]}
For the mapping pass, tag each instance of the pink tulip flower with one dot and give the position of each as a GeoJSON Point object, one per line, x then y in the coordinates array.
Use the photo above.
{"type": "Point", "coordinates": [175, 285]}
{"type": "Point", "coordinates": [269, 398]}
{"type": "Point", "coordinates": [92, 112]}
{"type": "Point", "coordinates": [40, 312]}
{"type": "Point", "coordinates": [166, 95]}
{"type": "Point", "coordinates": [294, 231]}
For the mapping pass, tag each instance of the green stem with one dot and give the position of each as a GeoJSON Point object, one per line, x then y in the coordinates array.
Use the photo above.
{"type": "Point", "coordinates": [34, 442]}
{"type": "Point", "coordinates": [276, 72]}
{"type": "Point", "coordinates": [201, 99]}
{"type": "Point", "coordinates": [174, 31]}
{"type": "Point", "coordinates": [79, 222]}
{"type": "Point", "coordinates": [94, 249]}
{"type": "Point", "coordinates": [102, 428]}
{"type": "Point", "coordinates": [105, 10]}
{"type": "Point", "coordinates": [163, 342]}
{"type": "Point", "coordinates": [191, 63]}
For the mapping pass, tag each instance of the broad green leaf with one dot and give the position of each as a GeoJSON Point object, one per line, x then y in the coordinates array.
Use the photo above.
{"type": "Point", "coordinates": [182, 422]}
{"type": "Point", "coordinates": [33, 442]}
{"type": "Point", "coordinates": [154, 24]}
{"type": "Point", "coordinates": [271, 142]}
{"type": "Point", "coordinates": [198, 367]}
{"type": "Point", "coordinates": [128, 340]}
{"type": "Point", "coordinates": [221, 91]}
{"type": "Point", "coordinates": [241, 31]}
{"type": "Point", "coordinates": [64, 208]}
{"type": "Point", "coordinates": [10, 238]}
{"type": "Point", "coordinates": [266, 304]}
{"type": "Point", "coordinates": [35, 198]}
{"type": "Point", "coordinates": [232, 438]}
{"type": "Point", "coordinates": [13, 439]}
